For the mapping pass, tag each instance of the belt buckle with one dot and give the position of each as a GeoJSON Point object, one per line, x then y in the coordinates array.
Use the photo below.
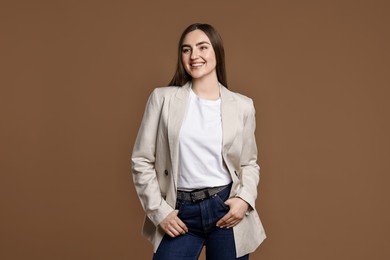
{"type": "Point", "coordinates": [203, 192]}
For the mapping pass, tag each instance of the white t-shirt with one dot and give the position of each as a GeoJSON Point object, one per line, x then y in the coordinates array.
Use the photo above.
{"type": "Point", "coordinates": [200, 146]}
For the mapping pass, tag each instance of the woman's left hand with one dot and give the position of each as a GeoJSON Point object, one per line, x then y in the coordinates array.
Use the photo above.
{"type": "Point", "coordinates": [238, 208]}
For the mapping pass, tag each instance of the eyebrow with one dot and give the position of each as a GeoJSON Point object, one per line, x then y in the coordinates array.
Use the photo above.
{"type": "Point", "coordinates": [199, 43]}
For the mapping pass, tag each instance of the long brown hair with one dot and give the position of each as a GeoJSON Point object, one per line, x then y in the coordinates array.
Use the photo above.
{"type": "Point", "coordinates": [181, 76]}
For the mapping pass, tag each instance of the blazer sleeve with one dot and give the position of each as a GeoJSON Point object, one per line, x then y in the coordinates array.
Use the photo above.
{"type": "Point", "coordinates": [249, 169]}
{"type": "Point", "coordinates": [143, 162]}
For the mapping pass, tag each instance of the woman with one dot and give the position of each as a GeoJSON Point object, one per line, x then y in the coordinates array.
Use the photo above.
{"type": "Point", "coordinates": [194, 159]}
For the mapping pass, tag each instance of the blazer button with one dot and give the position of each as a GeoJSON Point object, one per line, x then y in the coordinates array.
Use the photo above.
{"type": "Point", "coordinates": [166, 172]}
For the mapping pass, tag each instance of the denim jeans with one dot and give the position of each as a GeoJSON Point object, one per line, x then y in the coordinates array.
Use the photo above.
{"type": "Point", "coordinates": [201, 218]}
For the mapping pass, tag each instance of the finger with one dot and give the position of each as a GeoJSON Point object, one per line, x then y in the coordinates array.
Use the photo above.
{"type": "Point", "coordinates": [227, 223]}
{"type": "Point", "coordinates": [179, 228]}
{"type": "Point", "coordinates": [231, 223]}
{"type": "Point", "coordinates": [221, 222]}
{"type": "Point", "coordinates": [174, 231]}
{"type": "Point", "coordinates": [169, 233]}
{"type": "Point", "coordinates": [228, 202]}
{"type": "Point", "coordinates": [179, 222]}
{"type": "Point", "coordinates": [224, 220]}
{"type": "Point", "coordinates": [229, 220]}
{"type": "Point", "coordinates": [181, 225]}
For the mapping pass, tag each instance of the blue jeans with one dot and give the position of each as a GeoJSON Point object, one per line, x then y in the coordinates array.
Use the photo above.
{"type": "Point", "coordinates": [201, 218]}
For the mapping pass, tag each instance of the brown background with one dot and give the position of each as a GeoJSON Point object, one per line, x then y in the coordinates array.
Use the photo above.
{"type": "Point", "coordinates": [75, 76]}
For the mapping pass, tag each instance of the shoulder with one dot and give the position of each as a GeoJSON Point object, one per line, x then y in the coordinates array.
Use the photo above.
{"type": "Point", "coordinates": [164, 91]}
{"type": "Point", "coordinates": [242, 98]}
{"type": "Point", "coordinates": [160, 94]}
{"type": "Point", "coordinates": [243, 101]}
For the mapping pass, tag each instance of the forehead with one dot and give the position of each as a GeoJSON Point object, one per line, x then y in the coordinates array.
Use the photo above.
{"type": "Point", "coordinates": [195, 37]}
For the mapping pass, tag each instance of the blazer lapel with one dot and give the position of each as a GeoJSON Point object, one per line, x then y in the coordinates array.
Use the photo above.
{"type": "Point", "coordinates": [177, 110]}
{"type": "Point", "coordinates": [229, 114]}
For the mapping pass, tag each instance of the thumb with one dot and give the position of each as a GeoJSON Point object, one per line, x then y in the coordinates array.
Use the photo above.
{"type": "Point", "coordinates": [228, 202]}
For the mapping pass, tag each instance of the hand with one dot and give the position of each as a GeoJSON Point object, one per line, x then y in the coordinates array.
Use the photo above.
{"type": "Point", "coordinates": [172, 225]}
{"type": "Point", "coordinates": [238, 208]}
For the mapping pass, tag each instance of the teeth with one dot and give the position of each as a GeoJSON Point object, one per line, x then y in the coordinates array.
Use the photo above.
{"type": "Point", "coordinates": [196, 64]}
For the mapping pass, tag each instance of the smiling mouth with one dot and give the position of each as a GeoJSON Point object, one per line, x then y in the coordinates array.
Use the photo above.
{"type": "Point", "coordinates": [196, 65]}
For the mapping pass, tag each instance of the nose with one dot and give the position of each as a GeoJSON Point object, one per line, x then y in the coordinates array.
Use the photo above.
{"type": "Point", "coordinates": [194, 54]}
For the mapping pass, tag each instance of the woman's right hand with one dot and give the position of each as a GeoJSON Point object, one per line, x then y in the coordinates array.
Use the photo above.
{"type": "Point", "coordinates": [172, 225]}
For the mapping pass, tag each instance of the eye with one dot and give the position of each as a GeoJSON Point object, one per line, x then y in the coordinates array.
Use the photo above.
{"type": "Point", "coordinates": [203, 47]}
{"type": "Point", "coordinates": [185, 50]}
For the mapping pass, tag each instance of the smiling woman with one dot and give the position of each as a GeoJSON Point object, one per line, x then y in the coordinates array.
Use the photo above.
{"type": "Point", "coordinates": [198, 57]}
{"type": "Point", "coordinates": [193, 154]}
{"type": "Point", "coordinates": [210, 36]}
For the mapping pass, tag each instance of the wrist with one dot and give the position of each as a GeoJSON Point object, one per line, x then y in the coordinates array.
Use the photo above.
{"type": "Point", "coordinates": [248, 206]}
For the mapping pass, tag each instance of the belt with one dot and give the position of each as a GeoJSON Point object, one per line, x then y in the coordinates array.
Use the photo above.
{"type": "Point", "coordinates": [201, 194]}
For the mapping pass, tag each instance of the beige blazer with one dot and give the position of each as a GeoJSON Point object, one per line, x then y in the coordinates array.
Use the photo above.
{"type": "Point", "coordinates": [155, 160]}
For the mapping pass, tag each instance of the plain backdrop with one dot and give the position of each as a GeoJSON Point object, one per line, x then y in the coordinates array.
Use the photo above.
{"type": "Point", "coordinates": [75, 77]}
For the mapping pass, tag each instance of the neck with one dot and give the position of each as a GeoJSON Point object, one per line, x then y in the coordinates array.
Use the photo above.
{"type": "Point", "coordinates": [207, 88]}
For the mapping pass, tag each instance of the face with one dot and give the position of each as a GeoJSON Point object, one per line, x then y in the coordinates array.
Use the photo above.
{"type": "Point", "coordinates": [198, 55]}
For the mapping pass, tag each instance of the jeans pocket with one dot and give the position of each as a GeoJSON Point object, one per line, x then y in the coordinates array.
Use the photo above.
{"type": "Point", "coordinates": [221, 202]}
{"type": "Point", "coordinates": [178, 205]}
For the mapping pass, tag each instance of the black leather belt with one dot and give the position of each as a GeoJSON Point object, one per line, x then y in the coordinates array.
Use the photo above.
{"type": "Point", "coordinates": [201, 194]}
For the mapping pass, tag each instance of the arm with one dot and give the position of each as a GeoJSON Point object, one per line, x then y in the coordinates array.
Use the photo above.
{"type": "Point", "coordinates": [249, 176]}
{"type": "Point", "coordinates": [143, 162]}
{"type": "Point", "coordinates": [250, 170]}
